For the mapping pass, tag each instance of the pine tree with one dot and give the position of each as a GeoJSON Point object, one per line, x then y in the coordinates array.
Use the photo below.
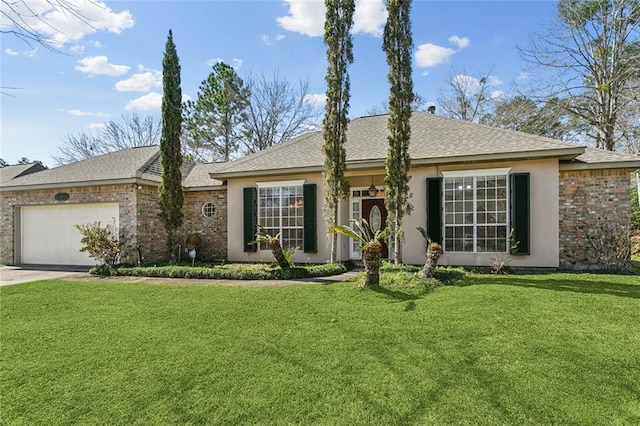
{"type": "Point", "coordinates": [171, 197]}
{"type": "Point", "coordinates": [339, 20]}
{"type": "Point", "coordinates": [397, 44]}
{"type": "Point", "coordinates": [215, 121]}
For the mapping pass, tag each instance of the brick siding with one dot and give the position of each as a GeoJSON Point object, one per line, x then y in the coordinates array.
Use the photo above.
{"type": "Point", "coordinates": [586, 196]}
{"type": "Point", "coordinates": [139, 209]}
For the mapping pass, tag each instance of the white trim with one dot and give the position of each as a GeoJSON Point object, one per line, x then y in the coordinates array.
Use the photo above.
{"type": "Point", "coordinates": [280, 183]}
{"type": "Point", "coordinates": [476, 172]}
{"type": "Point", "coordinates": [475, 223]}
{"type": "Point", "coordinates": [202, 209]}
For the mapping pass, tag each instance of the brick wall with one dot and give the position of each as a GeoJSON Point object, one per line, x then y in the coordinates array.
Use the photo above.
{"type": "Point", "coordinates": [211, 230]}
{"type": "Point", "coordinates": [151, 238]}
{"type": "Point", "coordinates": [587, 196]}
{"type": "Point", "coordinates": [139, 209]}
{"type": "Point", "coordinates": [125, 195]}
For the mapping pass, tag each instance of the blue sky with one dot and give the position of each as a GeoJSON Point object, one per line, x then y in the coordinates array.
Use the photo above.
{"type": "Point", "coordinates": [114, 66]}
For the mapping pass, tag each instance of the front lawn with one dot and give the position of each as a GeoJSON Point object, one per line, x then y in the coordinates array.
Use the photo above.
{"type": "Point", "coordinates": [517, 349]}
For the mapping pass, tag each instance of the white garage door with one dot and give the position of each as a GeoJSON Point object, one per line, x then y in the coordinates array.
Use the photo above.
{"type": "Point", "coordinates": [49, 235]}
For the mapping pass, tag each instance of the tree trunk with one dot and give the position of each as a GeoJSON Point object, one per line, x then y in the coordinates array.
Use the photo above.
{"type": "Point", "coordinates": [434, 251]}
{"type": "Point", "coordinates": [372, 260]}
{"type": "Point", "coordinates": [278, 254]}
{"type": "Point", "coordinates": [397, 247]}
{"type": "Point", "coordinates": [334, 237]}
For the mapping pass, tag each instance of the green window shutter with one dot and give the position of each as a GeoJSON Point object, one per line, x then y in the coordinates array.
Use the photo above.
{"type": "Point", "coordinates": [250, 210]}
{"type": "Point", "coordinates": [310, 222]}
{"type": "Point", "coordinates": [434, 209]}
{"type": "Point", "coordinates": [520, 212]}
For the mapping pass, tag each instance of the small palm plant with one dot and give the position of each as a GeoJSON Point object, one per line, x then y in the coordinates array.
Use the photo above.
{"type": "Point", "coordinates": [273, 241]}
{"type": "Point", "coordinates": [370, 245]}
{"type": "Point", "coordinates": [434, 251]}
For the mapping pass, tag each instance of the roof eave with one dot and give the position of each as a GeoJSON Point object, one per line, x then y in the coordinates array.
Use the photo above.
{"type": "Point", "coordinates": [204, 188]}
{"type": "Point", "coordinates": [579, 165]}
{"type": "Point", "coordinates": [268, 172]}
{"type": "Point", "coordinates": [56, 185]}
{"type": "Point", "coordinates": [562, 154]}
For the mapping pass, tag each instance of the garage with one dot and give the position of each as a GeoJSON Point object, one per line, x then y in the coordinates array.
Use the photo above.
{"type": "Point", "coordinates": [48, 234]}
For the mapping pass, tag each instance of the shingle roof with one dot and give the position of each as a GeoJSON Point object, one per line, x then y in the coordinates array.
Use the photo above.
{"type": "Point", "coordinates": [199, 176]}
{"type": "Point", "coordinates": [124, 164]}
{"type": "Point", "coordinates": [593, 158]}
{"type": "Point", "coordinates": [10, 172]}
{"type": "Point", "coordinates": [133, 164]}
{"type": "Point", "coordinates": [433, 139]}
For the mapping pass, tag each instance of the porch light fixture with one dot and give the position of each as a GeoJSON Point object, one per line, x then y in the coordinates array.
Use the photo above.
{"type": "Point", "coordinates": [372, 189]}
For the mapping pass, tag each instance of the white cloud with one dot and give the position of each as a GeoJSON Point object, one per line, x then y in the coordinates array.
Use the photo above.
{"type": "Point", "coordinates": [316, 99]}
{"type": "Point", "coordinates": [149, 102]}
{"type": "Point", "coordinates": [30, 53]}
{"type": "Point", "coordinates": [523, 76]}
{"type": "Point", "coordinates": [11, 52]}
{"type": "Point", "coordinates": [369, 17]}
{"type": "Point", "coordinates": [80, 113]}
{"type": "Point", "coordinates": [211, 62]}
{"type": "Point", "coordinates": [99, 65]}
{"type": "Point", "coordinates": [473, 85]}
{"type": "Point", "coordinates": [494, 81]}
{"type": "Point", "coordinates": [95, 126]}
{"type": "Point", "coordinates": [143, 81]}
{"type": "Point", "coordinates": [498, 94]}
{"type": "Point", "coordinates": [271, 41]}
{"type": "Point", "coordinates": [77, 48]}
{"type": "Point", "coordinates": [307, 17]}
{"type": "Point", "coordinates": [429, 55]}
{"type": "Point", "coordinates": [461, 42]}
{"type": "Point", "coordinates": [62, 25]}
{"type": "Point", "coordinates": [235, 62]}
{"type": "Point", "coordinates": [97, 44]}
{"type": "Point", "coordinates": [425, 73]}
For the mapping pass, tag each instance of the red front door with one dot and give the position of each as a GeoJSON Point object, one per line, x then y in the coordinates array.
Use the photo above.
{"type": "Point", "coordinates": [374, 211]}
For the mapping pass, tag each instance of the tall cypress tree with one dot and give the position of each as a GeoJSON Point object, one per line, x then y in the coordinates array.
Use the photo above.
{"type": "Point", "coordinates": [397, 44]}
{"type": "Point", "coordinates": [171, 197]}
{"type": "Point", "coordinates": [338, 23]}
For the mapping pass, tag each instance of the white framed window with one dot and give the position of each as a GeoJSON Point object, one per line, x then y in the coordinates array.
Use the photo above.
{"type": "Point", "coordinates": [280, 211]}
{"type": "Point", "coordinates": [208, 209]}
{"type": "Point", "coordinates": [476, 211]}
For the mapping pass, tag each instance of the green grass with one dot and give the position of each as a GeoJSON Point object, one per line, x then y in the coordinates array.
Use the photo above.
{"type": "Point", "coordinates": [516, 350]}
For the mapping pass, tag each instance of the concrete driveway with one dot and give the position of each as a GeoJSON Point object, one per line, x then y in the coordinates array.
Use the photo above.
{"type": "Point", "coordinates": [10, 275]}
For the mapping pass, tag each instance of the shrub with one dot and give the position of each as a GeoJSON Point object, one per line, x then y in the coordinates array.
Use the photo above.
{"type": "Point", "coordinates": [106, 244]}
{"type": "Point", "coordinates": [610, 244]}
{"type": "Point", "coordinates": [635, 208]}
{"type": "Point", "coordinates": [233, 271]}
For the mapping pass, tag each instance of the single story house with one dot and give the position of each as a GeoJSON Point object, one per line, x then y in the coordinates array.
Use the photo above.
{"type": "Point", "coordinates": [477, 189]}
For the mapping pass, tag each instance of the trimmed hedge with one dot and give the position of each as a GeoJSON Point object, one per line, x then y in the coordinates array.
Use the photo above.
{"type": "Point", "coordinates": [222, 272]}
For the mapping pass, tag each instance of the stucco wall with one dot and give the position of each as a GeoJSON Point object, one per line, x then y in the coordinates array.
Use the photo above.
{"type": "Point", "coordinates": [544, 216]}
{"type": "Point", "coordinates": [235, 222]}
{"type": "Point", "coordinates": [125, 195]}
{"type": "Point", "coordinates": [585, 197]}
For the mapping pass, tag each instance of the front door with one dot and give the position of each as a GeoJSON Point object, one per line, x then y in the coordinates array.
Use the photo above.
{"type": "Point", "coordinates": [374, 211]}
